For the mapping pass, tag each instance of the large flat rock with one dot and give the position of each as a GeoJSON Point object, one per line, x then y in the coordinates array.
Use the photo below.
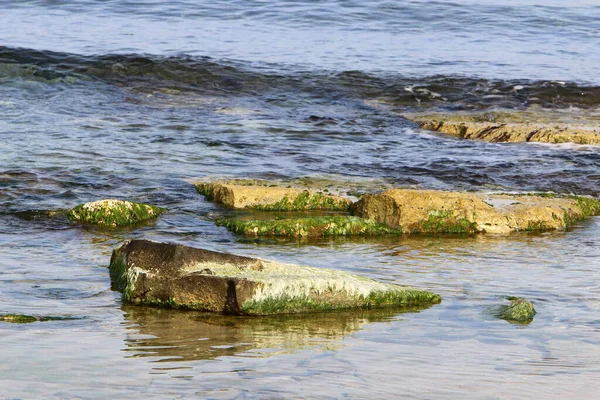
{"type": "Point", "coordinates": [430, 211]}
{"type": "Point", "coordinates": [514, 126]}
{"type": "Point", "coordinates": [268, 196]}
{"type": "Point", "coordinates": [184, 277]}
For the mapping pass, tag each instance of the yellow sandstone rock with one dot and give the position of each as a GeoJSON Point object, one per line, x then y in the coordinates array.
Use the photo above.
{"type": "Point", "coordinates": [429, 211]}
{"type": "Point", "coordinates": [260, 195]}
{"type": "Point", "coordinates": [514, 126]}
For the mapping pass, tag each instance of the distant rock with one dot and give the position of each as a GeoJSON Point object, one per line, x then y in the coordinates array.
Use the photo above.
{"type": "Point", "coordinates": [514, 126]}
{"type": "Point", "coordinates": [268, 196]}
{"type": "Point", "coordinates": [519, 311]}
{"type": "Point", "coordinates": [183, 277]}
{"type": "Point", "coordinates": [113, 213]}
{"type": "Point", "coordinates": [430, 211]}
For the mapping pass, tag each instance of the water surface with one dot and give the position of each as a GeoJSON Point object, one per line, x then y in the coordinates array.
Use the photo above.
{"type": "Point", "coordinates": [125, 100]}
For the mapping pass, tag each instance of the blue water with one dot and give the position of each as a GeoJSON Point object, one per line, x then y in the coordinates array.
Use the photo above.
{"type": "Point", "coordinates": [137, 100]}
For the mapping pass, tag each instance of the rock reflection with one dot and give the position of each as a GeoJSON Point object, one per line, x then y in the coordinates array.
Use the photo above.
{"type": "Point", "coordinates": [175, 335]}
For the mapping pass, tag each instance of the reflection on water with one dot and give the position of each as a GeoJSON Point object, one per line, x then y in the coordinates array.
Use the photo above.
{"type": "Point", "coordinates": [175, 335]}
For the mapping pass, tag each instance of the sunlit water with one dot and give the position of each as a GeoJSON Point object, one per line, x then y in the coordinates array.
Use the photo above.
{"type": "Point", "coordinates": [116, 99]}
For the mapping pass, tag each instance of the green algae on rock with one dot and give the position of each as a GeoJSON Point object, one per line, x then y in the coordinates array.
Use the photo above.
{"type": "Point", "coordinates": [18, 318]}
{"type": "Point", "coordinates": [431, 211]}
{"type": "Point", "coordinates": [111, 212]}
{"type": "Point", "coordinates": [261, 195]}
{"type": "Point", "coordinates": [519, 310]}
{"type": "Point", "coordinates": [183, 277]}
{"type": "Point", "coordinates": [27, 319]}
{"type": "Point", "coordinates": [339, 225]}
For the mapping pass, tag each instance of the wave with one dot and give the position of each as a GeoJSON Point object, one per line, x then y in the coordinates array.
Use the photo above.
{"type": "Point", "coordinates": [234, 78]}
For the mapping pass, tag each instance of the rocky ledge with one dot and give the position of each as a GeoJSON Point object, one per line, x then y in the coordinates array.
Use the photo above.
{"type": "Point", "coordinates": [269, 196]}
{"type": "Point", "coordinates": [430, 211]}
{"type": "Point", "coordinates": [184, 277]}
{"type": "Point", "coordinates": [514, 126]}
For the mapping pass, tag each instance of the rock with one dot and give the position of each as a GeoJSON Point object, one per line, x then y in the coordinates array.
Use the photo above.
{"type": "Point", "coordinates": [429, 211]}
{"type": "Point", "coordinates": [18, 318]}
{"type": "Point", "coordinates": [513, 126]}
{"type": "Point", "coordinates": [113, 213]}
{"type": "Point", "coordinates": [519, 310]}
{"type": "Point", "coordinates": [319, 226]}
{"type": "Point", "coordinates": [184, 277]}
{"type": "Point", "coordinates": [27, 319]}
{"type": "Point", "coordinates": [263, 195]}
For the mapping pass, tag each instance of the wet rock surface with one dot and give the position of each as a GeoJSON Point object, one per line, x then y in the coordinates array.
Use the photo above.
{"type": "Point", "coordinates": [183, 277]}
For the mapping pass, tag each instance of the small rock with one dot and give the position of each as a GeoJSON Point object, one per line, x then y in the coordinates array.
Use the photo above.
{"type": "Point", "coordinates": [113, 213]}
{"type": "Point", "coordinates": [519, 310]}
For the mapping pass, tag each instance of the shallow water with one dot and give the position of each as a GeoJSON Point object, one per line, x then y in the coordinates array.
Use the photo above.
{"type": "Point", "coordinates": [116, 99]}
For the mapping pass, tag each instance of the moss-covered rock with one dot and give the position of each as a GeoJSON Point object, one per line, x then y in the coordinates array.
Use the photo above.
{"type": "Point", "coordinates": [184, 277]}
{"type": "Point", "coordinates": [18, 318]}
{"type": "Point", "coordinates": [261, 195]}
{"type": "Point", "coordinates": [430, 211]}
{"type": "Point", "coordinates": [27, 319]}
{"type": "Point", "coordinates": [519, 310]}
{"type": "Point", "coordinates": [113, 213]}
{"type": "Point", "coordinates": [514, 126]}
{"type": "Point", "coordinates": [339, 225]}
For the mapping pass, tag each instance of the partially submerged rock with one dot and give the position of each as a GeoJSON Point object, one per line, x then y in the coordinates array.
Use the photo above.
{"type": "Point", "coordinates": [430, 211]}
{"type": "Point", "coordinates": [27, 319]}
{"type": "Point", "coordinates": [262, 195]}
{"type": "Point", "coordinates": [111, 212]}
{"type": "Point", "coordinates": [513, 126]}
{"type": "Point", "coordinates": [179, 276]}
{"type": "Point", "coordinates": [318, 226]}
{"type": "Point", "coordinates": [520, 311]}
{"type": "Point", "coordinates": [18, 318]}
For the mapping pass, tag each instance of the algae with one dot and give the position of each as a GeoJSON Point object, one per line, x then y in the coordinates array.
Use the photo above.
{"type": "Point", "coordinates": [444, 221]}
{"type": "Point", "coordinates": [286, 304]}
{"type": "Point", "coordinates": [122, 277]}
{"type": "Point", "coordinates": [113, 213]}
{"type": "Point", "coordinates": [309, 227]}
{"type": "Point", "coordinates": [306, 201]}
{"type": "Point", "coordinates": [27, 319]}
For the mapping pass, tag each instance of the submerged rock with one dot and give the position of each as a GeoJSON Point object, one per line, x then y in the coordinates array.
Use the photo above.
{"type": "Point", "coordinates": [113, 213]}
{"type": "Point", "coordinates": [184, 277]}
{"type": "Point", "coordinates": [519, 310]}
{"type": "Point", "coordinates": [430, 211]}
{"type": "Point", "coordinates": [318, 226]}
{"type": "Point", "coordinates": [263, 195]}
{"type": "Point", "coordinates": [513, 126]}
